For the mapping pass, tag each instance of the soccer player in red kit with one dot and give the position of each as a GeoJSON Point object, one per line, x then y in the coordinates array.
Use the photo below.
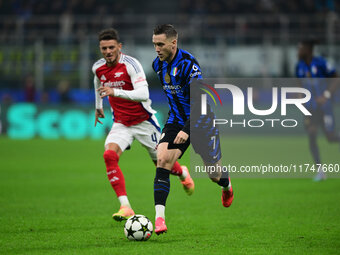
{"type": "Point", "coordinates": [121, 78]}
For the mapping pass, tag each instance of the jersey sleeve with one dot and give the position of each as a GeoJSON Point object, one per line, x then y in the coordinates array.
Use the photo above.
{"type": "Point", "coordinates": [139, 94]}
{"type": "Point", "coordinates": [328, 69]}
{"type": "Point", "coordinates": [136, 73]}
{"type": "Point", "coordinates": [192, 71]}
{"type": "Point", "coordinates": [140, 90]}
{"type": "Point", "coordinates": [96, 82]}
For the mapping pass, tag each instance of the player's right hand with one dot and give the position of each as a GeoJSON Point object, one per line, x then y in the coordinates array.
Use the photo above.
{"type": "Point", "coordinates": [99, 114]}
{"type": "Point", "coordinates": [181, 137]}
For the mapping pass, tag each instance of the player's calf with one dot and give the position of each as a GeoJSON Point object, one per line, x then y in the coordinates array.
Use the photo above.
{"type": "Point", "coordinates": [114, 173]}
{"type": "Point", "coordinates": [117, 182]}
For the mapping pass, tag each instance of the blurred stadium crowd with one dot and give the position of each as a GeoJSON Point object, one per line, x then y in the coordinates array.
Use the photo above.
{"type": "Point", "coordinates": [71, 20]}
{"type": "Point", "coordinates": [47, 48]}
{"type": "Point", "coordinates": [29, 8]}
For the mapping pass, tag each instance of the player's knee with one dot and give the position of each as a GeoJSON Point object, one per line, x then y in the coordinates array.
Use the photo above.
{"type": "Point", "coordinates": [163, 160]}
{"type": "Point", "coordinates": [110, 156]}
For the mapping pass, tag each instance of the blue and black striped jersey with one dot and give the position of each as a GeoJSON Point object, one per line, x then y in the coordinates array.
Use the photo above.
{"type": "Point", "coordinates": [175, 78]}
{"type": "Point", "coordinates": [318, 68]}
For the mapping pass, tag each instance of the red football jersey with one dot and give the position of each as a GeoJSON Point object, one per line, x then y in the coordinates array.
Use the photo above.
{"type": "Point", "coordinates": [127, 74]}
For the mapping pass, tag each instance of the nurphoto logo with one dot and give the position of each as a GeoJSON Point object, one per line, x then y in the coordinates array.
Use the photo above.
{"type": "Point", "coordinates": [280, 98]}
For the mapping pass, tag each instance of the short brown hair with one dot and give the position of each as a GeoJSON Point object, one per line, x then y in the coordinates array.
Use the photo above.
{"type": "Point", "coordinates": [167, 29]}
{"type": "Point", "coordinates": [109, 34]}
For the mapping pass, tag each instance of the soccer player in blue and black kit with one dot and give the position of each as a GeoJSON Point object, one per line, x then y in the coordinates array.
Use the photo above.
{"type": "Point", "coordinates": [320, 105]}
{"type": "Point", "coordinates": [176, 69]}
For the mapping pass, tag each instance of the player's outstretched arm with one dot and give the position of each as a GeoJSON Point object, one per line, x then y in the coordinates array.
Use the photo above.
{"type": "Point", "coordinates": [138, 94]}
{"type": "Point", "coordinates": [98, 99]}
{"type": "Point", "coordinates": [99, 113]}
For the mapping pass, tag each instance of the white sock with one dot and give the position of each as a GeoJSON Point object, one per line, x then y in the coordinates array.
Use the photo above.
{"type": "Point", "coordinates": [124, 201]}
{"type": "Point", "coordinates": [184, 175]}
{"type": "Point", "coordinates": [160, 211]}
{"type": "Point", "coordinates": [321, 174]}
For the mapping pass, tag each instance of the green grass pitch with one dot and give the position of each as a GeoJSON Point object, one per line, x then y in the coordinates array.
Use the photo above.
{"type": "Point", "coordinates": [55, 199]}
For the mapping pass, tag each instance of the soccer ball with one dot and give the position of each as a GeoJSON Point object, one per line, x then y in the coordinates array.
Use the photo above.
{"type": "Point", "coordinates": [138, 228]}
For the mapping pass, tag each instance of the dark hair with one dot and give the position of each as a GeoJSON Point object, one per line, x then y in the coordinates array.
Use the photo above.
{"type": "Point", "coordinates": [109, 34]}
{"type": "Point", "coordinates": [167, 29]}
{"type": "Point", "coordinates": [310, 42]}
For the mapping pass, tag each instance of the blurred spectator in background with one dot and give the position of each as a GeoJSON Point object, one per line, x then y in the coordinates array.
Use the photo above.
{"type": "Point", "coordinates": [66, 23]}
{"type": "Point", "coordinates": [325, 5]}
{"type": "Point", "coordinates": [45, 97]}
{"type": "Point", "coordinates": [6, 99]}
{"type": "Point", "coordinates": [63, 90]}
{"type": "Point", "coordinates": [29, 89]}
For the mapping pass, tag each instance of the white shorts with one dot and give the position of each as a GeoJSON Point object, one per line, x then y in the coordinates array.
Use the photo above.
{"type": "Point", "coordinates": [145, 132]}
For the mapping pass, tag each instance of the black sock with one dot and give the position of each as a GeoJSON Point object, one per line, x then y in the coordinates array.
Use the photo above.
{"type": "Point", "coordinates": [161, 186]}
{"type": "Point", "coordinates": [224, 180]}
{"type": "Point", "coordinates": [314, 149]}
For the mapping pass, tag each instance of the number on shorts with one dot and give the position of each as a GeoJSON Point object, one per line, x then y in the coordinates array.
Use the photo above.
{"type": "Point", "coordinates": [154, 137]}
{"type": "Point", "coordinates": [214, 139]}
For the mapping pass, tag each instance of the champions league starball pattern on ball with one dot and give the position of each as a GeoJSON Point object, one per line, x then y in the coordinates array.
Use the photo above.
{"type": "Point", "coordinates": [138, 228]}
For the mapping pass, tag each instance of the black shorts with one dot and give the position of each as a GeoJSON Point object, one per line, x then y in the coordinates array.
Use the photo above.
{"type": "Point", "coordinates": [206, 143]}
{"type": "Point", "coordinates": [169, 134]}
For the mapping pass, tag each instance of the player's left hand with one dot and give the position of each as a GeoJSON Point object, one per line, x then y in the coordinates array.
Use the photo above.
{"type": "Point", "coordinates": [181, 137]}
{"type": "Point", "coordinates": [321, 100]}
{"type": "Point", "coordinates": [106, 91]}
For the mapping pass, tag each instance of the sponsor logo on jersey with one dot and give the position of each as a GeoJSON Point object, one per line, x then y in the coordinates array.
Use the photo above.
{"type": "Point", "coordinates": [103, 78]}
{"type": "Point", "coordinates": [113, 84]}
{"type": "Point", "coordinates": [140, 79]}
{"type": "Point", "coordinates": [174, 89]}
{"type": "Point", "coordinates": [197, 72]}
{"type": "Point", "coordinates": [117, 75]}
{"type": "Point", "coordinates": [192, 75]}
